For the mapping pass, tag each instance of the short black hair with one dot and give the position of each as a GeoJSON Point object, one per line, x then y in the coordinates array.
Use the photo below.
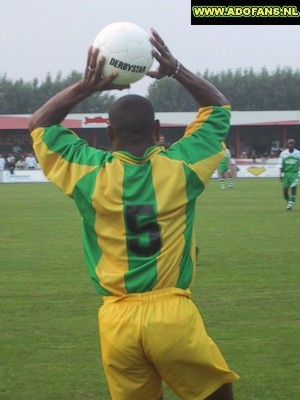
{"type": "Point", "coordinates": [132, 115]}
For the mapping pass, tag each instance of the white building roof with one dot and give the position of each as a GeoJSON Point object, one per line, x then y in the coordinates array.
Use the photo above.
{"type": "Point", "coordinates": [239, 118]}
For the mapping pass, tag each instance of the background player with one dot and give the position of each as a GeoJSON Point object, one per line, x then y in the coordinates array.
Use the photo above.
{"type": "Point", "coordinates": [224, 171]}
{"type": "Point", "coordinates": [289, 173]}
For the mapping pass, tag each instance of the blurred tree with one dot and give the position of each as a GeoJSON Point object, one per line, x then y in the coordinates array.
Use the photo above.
{"type": "Point", "coordinates": [168, 95]}
{"type": "Point", "coordinates": [21, 97]}
{"type": "Point", "coordinates": [246, 90]}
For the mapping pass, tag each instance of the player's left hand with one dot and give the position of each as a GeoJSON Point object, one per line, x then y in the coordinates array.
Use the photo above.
{"type": "Point", "coordinates": [167, 62]}
{"type": "Point", "coordinates": [93, 80]}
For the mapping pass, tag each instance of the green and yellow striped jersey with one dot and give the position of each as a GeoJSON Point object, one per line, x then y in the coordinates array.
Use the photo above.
{"type": "Point", "coordinates": [137, 212]}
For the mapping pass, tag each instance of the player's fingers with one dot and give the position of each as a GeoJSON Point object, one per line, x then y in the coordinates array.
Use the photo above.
{"type": "Point", "coordinates": [158, 42]}
{"type": "Point", "coordinates": [92, 66]}
{"type": "Point", "coordinates": [107, 83]}
{"type": "Point", "coordinates": [157, 37]}
{"type": "Point", "coordinates": [89, 56]}
{"type": "Point", "coordinates": [157, 45]}
{"type": "Point", "coordinates": [155, 74]}
{"type": "Point", "coordinates": [157, 56]}
{"type": "Point", "coordinates": [99, 66]}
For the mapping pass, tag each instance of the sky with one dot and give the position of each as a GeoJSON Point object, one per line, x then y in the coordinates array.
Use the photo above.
{"type": "Point", "coordinates": [38, 37]}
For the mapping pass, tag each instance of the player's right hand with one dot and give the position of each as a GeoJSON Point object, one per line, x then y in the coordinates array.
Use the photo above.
{"type": "Point", "coordinates": [93, 80]}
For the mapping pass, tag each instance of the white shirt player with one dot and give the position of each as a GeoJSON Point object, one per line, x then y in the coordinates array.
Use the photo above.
{"type": "Point", "coordinates": [289, 161]}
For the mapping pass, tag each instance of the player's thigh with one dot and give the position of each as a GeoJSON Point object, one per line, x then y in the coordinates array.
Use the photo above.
{"type": "Point", "coordinates": [183, 353]}
{"type": "Point", "coordinates": [286, 182]}
{"type": "Point", "coordinates": [294, 182]}
{"type": "Point", "coordinates": [290, 180]}
{"type": "Point", "coordinates": [129, 374]}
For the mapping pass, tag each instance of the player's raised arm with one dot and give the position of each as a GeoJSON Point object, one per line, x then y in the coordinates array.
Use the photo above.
{"type": "Point", "coordinates": [55, 110]}
{"type": "Point", "coordinates": [204, 92]}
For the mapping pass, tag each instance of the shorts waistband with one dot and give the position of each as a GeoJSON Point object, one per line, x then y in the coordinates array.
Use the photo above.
{"type": "Point", "coordinates": [148, 297]}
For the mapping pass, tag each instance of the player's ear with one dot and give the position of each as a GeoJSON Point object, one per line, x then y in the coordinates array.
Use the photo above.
{"type": "Point", "coordinates": [110, 133]}
{"type": "Point", "coordinates": [157, 129]}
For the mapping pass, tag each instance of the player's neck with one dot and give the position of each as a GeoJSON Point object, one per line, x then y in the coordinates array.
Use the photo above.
{"type": "Point", "coordinates": [137, 150]}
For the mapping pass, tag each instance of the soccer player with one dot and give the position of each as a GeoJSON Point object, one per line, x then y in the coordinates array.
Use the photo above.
{"type": "Point", "coordinates": [289, 171]}
{"type": "Point", "coordinates": [138, 206]}
{"type": "Point", "coordinates": [224, 171]}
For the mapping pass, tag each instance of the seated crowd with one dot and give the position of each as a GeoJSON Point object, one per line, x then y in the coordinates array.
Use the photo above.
{"type": "Point", "coordinates": [13, 161]}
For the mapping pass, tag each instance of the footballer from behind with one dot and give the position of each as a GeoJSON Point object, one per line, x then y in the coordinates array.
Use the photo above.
{"type": "Point", "coordinates": [137, 205]}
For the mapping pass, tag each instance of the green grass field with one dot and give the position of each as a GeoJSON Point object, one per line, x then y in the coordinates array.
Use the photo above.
{"type": "Point", "coordinates": [247, 288]}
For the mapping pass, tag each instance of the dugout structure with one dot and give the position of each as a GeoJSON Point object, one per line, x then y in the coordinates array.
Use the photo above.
{"type": "Point", "coordinates": [250, 130]}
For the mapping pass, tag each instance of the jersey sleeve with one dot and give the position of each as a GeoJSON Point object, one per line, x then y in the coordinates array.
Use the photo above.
{"type": "Point", "coordinates": [202, 146]}
{"type": "Point", "coordinates": [64, 157]}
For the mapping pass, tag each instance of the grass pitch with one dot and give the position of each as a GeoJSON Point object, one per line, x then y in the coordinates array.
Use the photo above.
{"type": "Point", "coordinates": [247, 288]}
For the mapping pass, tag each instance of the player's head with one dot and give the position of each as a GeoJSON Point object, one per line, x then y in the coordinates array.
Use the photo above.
{"type": "Point", "coordinates": [291, 144]}
{"type": "Point", "coordinates": [131, 118]}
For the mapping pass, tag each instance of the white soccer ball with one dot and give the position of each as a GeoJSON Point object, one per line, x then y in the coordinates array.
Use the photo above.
{"type": "Point", "coordinates": [127, 50]}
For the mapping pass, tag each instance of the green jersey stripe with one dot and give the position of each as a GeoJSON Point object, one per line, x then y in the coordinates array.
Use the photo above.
{"type": "Point", "coordinates": [83, 195]}
{"type": "Point", "coordinates": [142, 231]}
{"type": "Point", "coordinates": [206, 134]}
{"type": "Point", "coordinates": [78, 151]}
{"type": "Point", "coordinates": [193, 188]}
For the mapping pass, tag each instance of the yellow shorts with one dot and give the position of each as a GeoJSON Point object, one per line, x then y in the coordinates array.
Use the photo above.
{"type": "Point", "coordinates": [154, 336]}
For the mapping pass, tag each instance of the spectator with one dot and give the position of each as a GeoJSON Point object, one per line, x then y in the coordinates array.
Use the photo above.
{"type": "Point", "coordinates": [16, 148]}
{"type": "Point", "coordinates": [11, 163]}
{"type": "Point", "coordinates": [21, 164]}
{"type": "Point", "coordinates": [162, 141]}
{"type": "Point", "coordinates": [265, 158]}
{"type": "Point", "coordinates": [30, 161]}
{"type": "Point", "coordinates": [2, 162]}
{"type": "Point", "coordinates": [253, 155]}
{"type": "Point", "coordinates": [275, 149]}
